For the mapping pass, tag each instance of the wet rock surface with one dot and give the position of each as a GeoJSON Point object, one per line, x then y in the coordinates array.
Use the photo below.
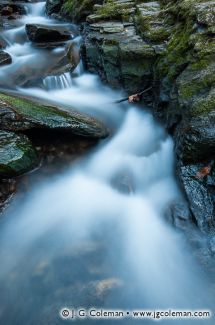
{"type": "Point", "coordinates": [19, 114]}
{"type": "Point", "coordinates": [200, 194]}
{"type": "Point", "coordinates": [42, 33]}
{"type": "Point", "coordinates": [5, 58]}
{"type": "Point", "coordinates": [17, 154]}
{"type": "Point", "coordinates": [10, 9]}
{"type": "Point", "coordinates": [65, 60]}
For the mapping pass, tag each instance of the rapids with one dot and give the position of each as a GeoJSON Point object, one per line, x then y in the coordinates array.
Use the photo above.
{"type": "Point", "coordinates": [102, 222]}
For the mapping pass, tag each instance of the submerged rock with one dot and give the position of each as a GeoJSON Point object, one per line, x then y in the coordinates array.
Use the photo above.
{"type": "Point", "coordinates": [42, 33]}
{"type": "Point", "coordinates": [17, 154]}
{"type": "Point", "coordinates": [5, 58]}
{"type": "Point", "coordinates": [51, 63]}
{"type": "Point", "coordinates": [19, 114]}
{"type": "Point", "coordinates": [8, 9]}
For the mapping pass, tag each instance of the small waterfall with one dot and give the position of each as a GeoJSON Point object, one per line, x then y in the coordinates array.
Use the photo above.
{"type": "Point", "coordinates": [58, 82]}
{"type": "Point", "coordinates": [36, 9]}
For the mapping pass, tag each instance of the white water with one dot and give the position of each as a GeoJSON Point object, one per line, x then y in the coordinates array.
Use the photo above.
{"type": "Point", "coordinates": [114, 198]}
{"type": "Point", "coordinates": [58, 82]}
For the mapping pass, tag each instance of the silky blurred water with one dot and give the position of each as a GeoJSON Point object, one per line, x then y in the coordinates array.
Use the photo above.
{"type": "Point", "coordinates": [101, 219]}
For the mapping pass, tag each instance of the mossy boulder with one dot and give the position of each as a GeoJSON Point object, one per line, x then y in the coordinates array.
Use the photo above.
{"type": "Point", "coordinates": [19, 114]}
{"type": "Point", "coordinates": [76, 10]}
{"type": "Point", "coordinates": [17, 155]}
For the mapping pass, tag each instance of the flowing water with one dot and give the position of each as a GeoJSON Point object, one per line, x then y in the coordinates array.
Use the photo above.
{"type": "Point", "coordinates": [95, 235]}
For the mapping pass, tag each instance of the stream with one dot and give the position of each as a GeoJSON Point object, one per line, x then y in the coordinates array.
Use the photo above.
{"type": "Point", "coordinates": [95, 235]}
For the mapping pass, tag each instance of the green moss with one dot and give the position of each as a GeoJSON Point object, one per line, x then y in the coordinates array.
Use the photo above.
{"type": "Point", "coordinates": [78, 10]}
{"type": "Point", "coordinates": [109, 9]}
{"type": "Point", "coordinates": [199, 65]}
{"type": "Point", "coordinates": [16, 154]}
{"type": "Point", "coordinates": [68, 6]}
{"type": "Point", "coordinates": [177, 54]}
{"type": "Point", "coordinates": [33, 114]}
{"type": "Point", "coordinates": [203, 105]}
{"type": "Point", "coordinates": [112, 9]}
{"type": "Point", "coordinates": [38, 113]}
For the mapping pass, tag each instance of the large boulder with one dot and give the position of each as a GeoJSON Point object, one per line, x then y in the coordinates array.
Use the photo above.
{"type": "Point", "coordinates": [19, 114]}
{"type": "Point", "coordinates": [42, 33]}
{"type": "Point", "coordinates": [17, 154]}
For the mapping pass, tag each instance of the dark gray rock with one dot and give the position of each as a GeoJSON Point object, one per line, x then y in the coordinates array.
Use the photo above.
{"type": "Point", "coordinates": [178, 214]}
{"type": "Point", "coordinates": [5, 58]}
{"type": "Point", "coordinates": [41, 33]}
{"type": "Point", "coordinates": [195, 140]}
{"type": "Point", "coordinates": [53, 6]}
{"type": "Point", "coordinates": [7, 8]}
{"type": "Point", "coordinates": [199, 195]}
{"type": "Point", "coordinates": [121, 58]}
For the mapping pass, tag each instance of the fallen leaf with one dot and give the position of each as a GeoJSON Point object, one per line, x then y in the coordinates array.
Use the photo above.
{"type": "Point", "coordinates": [134, 98]}
{"type": "Point", "coordinates": [203, 172]}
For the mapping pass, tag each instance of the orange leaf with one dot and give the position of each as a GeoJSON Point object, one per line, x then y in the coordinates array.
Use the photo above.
{"type": "Point", "coordinates": [203, 172]}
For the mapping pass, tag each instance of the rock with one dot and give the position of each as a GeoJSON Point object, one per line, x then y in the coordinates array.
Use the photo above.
{"type": "Point", "coordinates": [151, 23]}
{"type": "Point", "coordinates": [121, 58]}
{"type": "Point", "coordinates": [7, 190]}
{"type": "Point", "coordinates": [19, 114]}
{"type": "Point", "coordinates": [7, 8]}
{"type": "Point", "coordinates": [185, 74]}
{"type": "Point", "coordinates": [53, 6]}
{"type": "Point", "coordinates": [68, 62]}
{"type": "Point", "coordinates": [6, 11]}
{"type": "Point", "coordinates": [74, 10]}
{"type": "Point", "coordinates": [178, 214]}
{"type": "Point", "coordinates": [17, 154]}
{"type": "Point", "coordinates": [195, 141]}
{"type": "Point", "coordinates": [5, 58]}
{"type": "Point", "coordinates": [54, 63]}
{"type": "Point", "coordinates": [99, 290]}
{"type": "Point", "coordinates": [200, 196]}
{"type": "Point", "coordinates": [42, 33]}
